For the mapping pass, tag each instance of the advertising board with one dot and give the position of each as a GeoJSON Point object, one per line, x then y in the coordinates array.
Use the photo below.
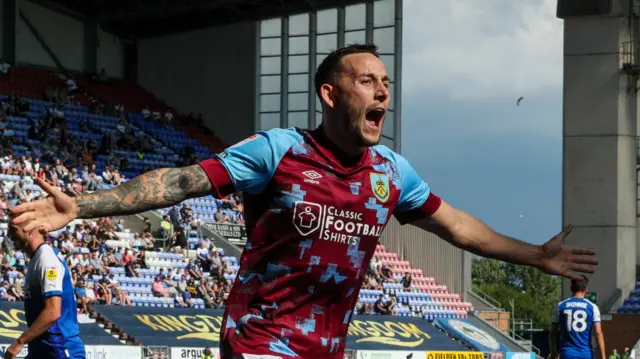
{"type": "Point", "coordinates": [387, 354]}
{"type": "Point", "coordinates": [94, 351]}
{"type": "Point", "coordinates": [191, 352]}
{"type": "Point", "coordinates": [199, 328]}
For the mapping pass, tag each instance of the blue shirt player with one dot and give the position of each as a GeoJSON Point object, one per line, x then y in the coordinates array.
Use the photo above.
{"type": "Point", "coordinates": [49, 306]}
{"type": "Point", "coordinates": [573, 321]}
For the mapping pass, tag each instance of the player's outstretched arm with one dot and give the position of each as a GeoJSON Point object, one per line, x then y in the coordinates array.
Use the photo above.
{"type": "Point", "coordinates": [597, 327]}
{"type": "Point", "coordinates": [466, 232]}
{"type": "Point", "coordinates": [155, 189]}
{"type": "Point", "coordinates": [553, 345]}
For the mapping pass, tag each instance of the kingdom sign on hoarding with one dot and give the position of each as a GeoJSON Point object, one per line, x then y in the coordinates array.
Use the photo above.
{"type": "Point", "coordinates": [191, 328]}
{"type": "Point", "coordinates": [13, 324]}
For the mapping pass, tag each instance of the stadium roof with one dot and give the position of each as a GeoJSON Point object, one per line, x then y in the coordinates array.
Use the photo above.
{"type": "Point", "coordinates": [147, 18]}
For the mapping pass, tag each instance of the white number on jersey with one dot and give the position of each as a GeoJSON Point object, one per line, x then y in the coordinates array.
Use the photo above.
{"type": "Point", "coordinates": [576, 320]}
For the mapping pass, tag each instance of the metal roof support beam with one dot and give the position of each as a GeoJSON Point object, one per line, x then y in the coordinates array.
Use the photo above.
{"type": "Point", "coordinates": [91, 44]}
{"type": "Point", "coordinates": [284, 74]}
{"type": "Point", "coordinates": [166, 9]}
{"type": "Point", "coordinates": [341, 26]}
{"type": "Point", "coordinates": [313, 54]}
{"type": "Point", "coordinates": [41, 40]}
{"type": "Point", "coordinates": [369, 24]}
{"type": "Point", "coordinates": [9, 25]}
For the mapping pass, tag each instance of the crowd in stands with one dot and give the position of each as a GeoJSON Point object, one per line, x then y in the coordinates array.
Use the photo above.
{"type": "Point", "coordinates": [80, 142]}
{"type": "Point", "coordinates": [377, 274]}
{"type": "Point", "coordinates": [95, 249]}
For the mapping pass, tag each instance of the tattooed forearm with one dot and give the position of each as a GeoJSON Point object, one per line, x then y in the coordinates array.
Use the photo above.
{"type": "Point", "coordinates": [179, 181]}
{"type": "Point", "coordinates": [156, 189]}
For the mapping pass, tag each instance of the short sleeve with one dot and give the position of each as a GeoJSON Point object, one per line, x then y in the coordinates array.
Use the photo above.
{"type": "Point", "coordinates": [416, 200]}
{"type": "Point", "coordinates": [249, 165]}
{"type": "Point", "coordinates": [596, 313]}
{"type": "Point", "coordinates": [555, 317]}
{"type": "Point", "coordinates": [51, 273]}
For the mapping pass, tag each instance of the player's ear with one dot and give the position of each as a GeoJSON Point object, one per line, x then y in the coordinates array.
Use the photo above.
{"type": "Point", "coordinates": [327, 95]}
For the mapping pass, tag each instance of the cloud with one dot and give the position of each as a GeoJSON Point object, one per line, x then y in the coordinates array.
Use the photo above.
{"type": "Point", "coordinates": [470, 49]}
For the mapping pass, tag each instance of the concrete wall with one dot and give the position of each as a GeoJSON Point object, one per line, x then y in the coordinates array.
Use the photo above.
{"type": "Point", "coordinates": [209, 71]}
{"type": "Point", "coordinates": [599, 175]}
{"type": "Point", "coordinates": [110, 54]}
{"type": "Point", "coordinates": [621, 331]}
{"type": "Point", "coordinates": [63, 34]}
{"type": "Point", "coordinates": [1, 28]}
{"type": "Point", "coordinates": [449, 265]}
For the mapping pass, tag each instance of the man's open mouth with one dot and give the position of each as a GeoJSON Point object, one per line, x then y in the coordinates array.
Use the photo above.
{"type": "Point", "coordinates": [374, 117]}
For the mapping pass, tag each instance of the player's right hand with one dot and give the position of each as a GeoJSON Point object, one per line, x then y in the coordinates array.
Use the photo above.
{"type": "Point", "coordinates": [47, 214]}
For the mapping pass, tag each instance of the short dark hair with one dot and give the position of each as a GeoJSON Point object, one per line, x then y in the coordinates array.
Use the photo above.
{"type": "Point", "coordinates": [579, 285]}
{"type": "Point", "coordinates": [330, 66]}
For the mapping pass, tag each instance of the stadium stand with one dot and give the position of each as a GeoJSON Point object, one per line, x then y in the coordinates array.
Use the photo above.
{"type": "Point", "coordinates": [632, 303]}
{"type": "Point", "coordinates": [81, 140]}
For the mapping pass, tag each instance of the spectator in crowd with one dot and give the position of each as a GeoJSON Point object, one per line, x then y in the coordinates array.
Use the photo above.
{"type": "Point", "coordinates": [81, 296]}
{"type": "Point", "coordinates": [158, 288]}
{"type": "Point", "coordinates": [626, 354]}
{"type": "Point", "coordinates": [380, 306]}
{"type": "Point", "coordinates": [406, 281]}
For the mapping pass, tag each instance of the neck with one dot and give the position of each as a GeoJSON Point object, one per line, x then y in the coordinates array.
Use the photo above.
{"type": "Point", "coordinates": [337, 138]}
{"type": "Point", "coordinates": [32, 246]}
{"type": "Point", "coordinates": [579, 294]}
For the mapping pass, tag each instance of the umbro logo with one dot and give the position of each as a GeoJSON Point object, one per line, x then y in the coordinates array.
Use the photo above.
{"type": "Point", "coordinates": [312, 176]}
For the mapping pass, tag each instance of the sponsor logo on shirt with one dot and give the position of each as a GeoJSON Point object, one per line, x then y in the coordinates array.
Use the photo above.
{"type": "Point", "coordinates": [334, 225]}
{"type": "Point", "coordinates": [355, 188]}
{"type": "Point", "coordinates": [312, 176]}
{"type": "Point", "coordinates": [380, 186]}
{"type": "Point", "coordinates": [51, 272]}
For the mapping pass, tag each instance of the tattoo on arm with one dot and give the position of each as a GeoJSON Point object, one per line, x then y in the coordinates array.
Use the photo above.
{"type": "Point", "coordinates": [155, 189]}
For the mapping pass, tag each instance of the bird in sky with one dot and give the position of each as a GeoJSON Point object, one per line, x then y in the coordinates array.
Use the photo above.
{"type": "Point", "coordinates": [520, 99]}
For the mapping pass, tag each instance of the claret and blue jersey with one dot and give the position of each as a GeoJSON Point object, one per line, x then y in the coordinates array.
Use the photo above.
{"type": "Point", "coordinates": [313, 220]}
{"type": "Point", "coordinates": [48, 275]}
{"type": "Point", "coordinates": [575, 318]}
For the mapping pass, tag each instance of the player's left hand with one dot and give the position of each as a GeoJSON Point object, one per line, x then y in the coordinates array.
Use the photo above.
{"type": "Point", "coordinates": [559, 259]}
{"type": "Point", "coordinates": [13, 350]}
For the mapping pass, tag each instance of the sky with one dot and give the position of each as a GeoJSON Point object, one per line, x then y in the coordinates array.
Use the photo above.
{"type": "Point", "coordinates": [465, 64]}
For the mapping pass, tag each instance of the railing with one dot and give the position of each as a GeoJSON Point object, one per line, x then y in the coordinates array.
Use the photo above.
{"type": "Point", "coordinates": [517, 340]}
{"type": "Point", "coordinates": [487, 298]}
{"type": "Point", "coordinates": [527, 343]}
{"type": "Point", "coordinates": [628, 53]}
{"type": "Point", "coordinates": [637, 176]}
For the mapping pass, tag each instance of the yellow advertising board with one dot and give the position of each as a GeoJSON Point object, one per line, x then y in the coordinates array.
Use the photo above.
{"type": "Point", "coordinates": [455, 355]}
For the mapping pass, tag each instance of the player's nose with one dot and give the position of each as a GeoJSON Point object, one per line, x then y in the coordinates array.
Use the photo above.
{"type": "Point", "coordinates": [382, 92]}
